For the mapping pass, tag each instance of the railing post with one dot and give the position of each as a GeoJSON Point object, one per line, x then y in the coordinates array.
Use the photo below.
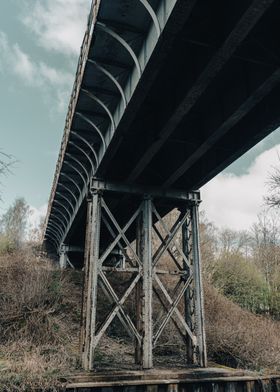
{"type": "Point", "coordinates": [198, 289]}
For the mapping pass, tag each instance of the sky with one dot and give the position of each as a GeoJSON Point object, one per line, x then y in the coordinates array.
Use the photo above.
{"type": "Point", "coordinates": [39, 48]}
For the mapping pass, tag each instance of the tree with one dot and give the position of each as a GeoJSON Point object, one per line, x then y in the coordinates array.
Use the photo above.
{"type": "Point", "coordinates": [273, 198]}
{"type": "Point", "coordinates": [240, 280]}
{"type": "Point", "coordinates": [266, 250]}
{"type": "Point", "coordinates": [5, 164]}
{"type": "Point", "coordinates": [266, 255]}
{"type": "Point", "coordinates": [13, 223]}
{"type": "Point", "coordinates": [208, 246]}
{"type": "Point", "coordinates": [231, 242]}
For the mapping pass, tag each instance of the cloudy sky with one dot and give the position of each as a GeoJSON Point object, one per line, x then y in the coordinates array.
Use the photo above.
{"type": "Point", "coordinates": [39, 48]}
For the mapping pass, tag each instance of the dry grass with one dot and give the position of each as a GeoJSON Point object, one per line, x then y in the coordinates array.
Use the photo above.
{"type": "Point", "coordinates": [39, 322]}
{"type": "Point", "coordinates": [238, 338]}
{"type": "Point", "coordinates": [40, 318]}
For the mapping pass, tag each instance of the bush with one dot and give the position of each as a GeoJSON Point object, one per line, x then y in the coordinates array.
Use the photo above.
{"type": "Point", "coordinates": [39, 321]}
{"type": "Point", "coordinates": [238, 338]}
{"type": "Point", "coordinates": [240, 281]}
{"type": "Point", "coordinates": [6, 245]}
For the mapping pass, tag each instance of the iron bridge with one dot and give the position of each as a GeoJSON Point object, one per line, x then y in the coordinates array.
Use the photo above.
{"type": "Point", "coordinates": [167, 94]}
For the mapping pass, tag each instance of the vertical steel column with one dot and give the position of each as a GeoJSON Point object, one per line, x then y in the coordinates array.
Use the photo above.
{"type": "Point", "coordinates": [146, 257]}
{"type": "Point", "coordinates": [198, 290]}
{"type": "Point", "coordinates": [138, 293]}
{"type": "Point", "coordinates": [85, 283]}
{"type": "Point", "coordinates": [63, 257]}
{"type": "Point", "coordinates": [189, 293]}
{"type": "Point", "coordinates": [91, 268]}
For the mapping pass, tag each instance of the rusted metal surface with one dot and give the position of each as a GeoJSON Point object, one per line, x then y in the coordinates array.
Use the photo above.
{"type": "Point", "coordinates": [91, 265]}
{"type": "Point", "coordinates": [198, 290]}
{"type": "Point", "coordinates": [146, 257]}
{"type": "Point", "coordinates": [189, 295]}
{"type": "Point", "coordinates": [143, 263]}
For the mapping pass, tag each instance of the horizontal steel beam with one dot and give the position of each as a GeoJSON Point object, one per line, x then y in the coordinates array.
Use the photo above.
{"type": "Point", "coordinates": [105, 186]}
{"type": "Point", "coordinates": [238, 34]}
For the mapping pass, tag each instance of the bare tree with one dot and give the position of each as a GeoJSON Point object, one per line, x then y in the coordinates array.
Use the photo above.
{"type": "Point", "coordinates": [273, 198]}
{"type": "Point", "coordinates": [266, 237]}
{"type": "Point", "coordinates": [13, 222]}
{"type": "Point", "coordinates": [6, 161]}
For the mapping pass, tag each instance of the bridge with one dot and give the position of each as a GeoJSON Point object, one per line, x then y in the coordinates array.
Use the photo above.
{"type": "Point", "coordinates": [167, 94]}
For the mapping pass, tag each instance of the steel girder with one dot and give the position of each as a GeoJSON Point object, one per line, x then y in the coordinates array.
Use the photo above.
{"type": "Point", "coordinates": [144, 264]}
{"type": "Point", "coordinates": [158, 17]}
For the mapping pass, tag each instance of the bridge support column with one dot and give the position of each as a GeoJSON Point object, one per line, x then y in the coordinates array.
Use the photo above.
{"type": "Point", "coordinates": [198, 289]}
{"type": "Point", "coordinates": [156, 285]}
{"type": "Point", "coordinates": [63, 257]}
{"type": "Point", "coordinates": [89, 306]}
{"type": "Point", "coordinates": [144, 289]}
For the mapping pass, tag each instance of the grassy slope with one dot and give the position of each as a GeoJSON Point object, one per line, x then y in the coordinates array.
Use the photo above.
{"type": "Point", "coordinates": [39, 326]}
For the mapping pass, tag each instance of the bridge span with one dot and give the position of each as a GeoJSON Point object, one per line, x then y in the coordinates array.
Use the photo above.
{"type": "Point", "coordinates": [167, 94]}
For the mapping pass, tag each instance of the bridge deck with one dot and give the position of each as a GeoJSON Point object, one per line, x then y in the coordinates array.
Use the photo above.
{"type": "Point", "coordinates": [160, 379]}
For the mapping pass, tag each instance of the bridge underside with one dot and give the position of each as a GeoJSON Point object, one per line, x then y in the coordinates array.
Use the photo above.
{"type": "Point", "coordinates": [167, 94]}
{"type": "Point", "coordinates": [208, 93]}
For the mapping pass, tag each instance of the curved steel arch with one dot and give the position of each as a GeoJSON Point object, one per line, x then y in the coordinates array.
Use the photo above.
{"type": "Point", "coordinates": [87, 156]}
{"type": "Point", "coordinates": [112, 78]}
{"type": "Point", "coordinates": [71, 179]}
{"type": "Point", "coordinates": [153, 15]}
{"type": "Point", "coordinates": [102, 104]}
{"type": "Point", "coordinates": [56, 226]}
{"type": "Point", "coordinates": [66, 198]}
{"type": "Point", "coordinates": [69, 190]}
{"type": "Point", "coordinates": [77, 161]}
{"type": "Point", "coordinates": [58, 219]}
{"type": "Point", "coordinates": [88, 144]}
{"type": "Point", "coordinates": [62, 214]}
{"type": "Point", "coordinates": [54, 233]}
{"type": "Point", "coordinates": [94, 126]}
{"type": "Point", "coordinates": [52, 239]}
{"type": "Point", "coordinates": [63, 206]}
{"type": "Point", "coordinates": [77, 171]}
{"type": "Point", "coordinates": [117, 37]}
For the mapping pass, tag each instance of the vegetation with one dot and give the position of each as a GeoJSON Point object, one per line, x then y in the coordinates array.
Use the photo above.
{"type": "Point", "coordinates": [13, 226]}
{"type": "Point", "coordinates": [40, 305]}
{"type": "Point", "coordinates": [239, 338]}
{"type": "Point", "coordinates": [39, 321]}
{"type": "Point", "coordinates": [6, 161]}
{"type": "Point", "coordinates": [245, 266]}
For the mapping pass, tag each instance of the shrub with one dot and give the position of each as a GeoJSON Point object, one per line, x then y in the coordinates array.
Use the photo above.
{"type": "Point", "coordinates": [39, 321]}
{"type": "Point", "coordinates": [240, 281]}
{"type": "Point", "coordinates": [238, 338]}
